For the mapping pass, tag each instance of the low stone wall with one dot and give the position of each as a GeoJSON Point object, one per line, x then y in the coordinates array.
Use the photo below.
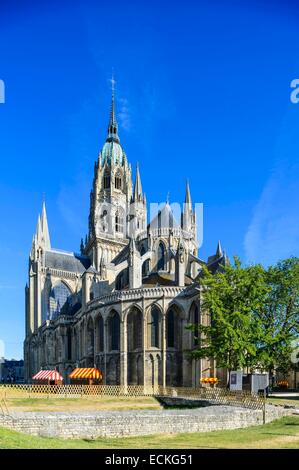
{"type": "Point", "coordinates": [136, 423]}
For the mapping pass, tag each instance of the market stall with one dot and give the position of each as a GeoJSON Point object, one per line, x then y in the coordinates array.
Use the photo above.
{"type": "Point", "coordinates": [50, 377]}
{"type": "Point", "coordinates": [86, 376]}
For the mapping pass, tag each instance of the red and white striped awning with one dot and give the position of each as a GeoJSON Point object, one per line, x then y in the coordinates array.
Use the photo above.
{"type": "Point", "coordinates": [48, 375]}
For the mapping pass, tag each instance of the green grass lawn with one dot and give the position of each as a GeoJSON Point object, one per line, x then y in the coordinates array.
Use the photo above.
{"type": "Point", "coordinates": [282, 433]}
{"type": "Point", "coordinates": [87, 403]}
{"type": "Point", "coordinates": [294, 401]}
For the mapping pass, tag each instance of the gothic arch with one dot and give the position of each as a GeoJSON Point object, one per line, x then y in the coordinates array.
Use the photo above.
{"type": "Point", "coordinates": [161, 256]}
{"type": "Point", "coordinates": [154, 326]}
{"type": "Point", "coordinates": [128, 310]}
{"type": "Point", "coordinates": [194, 319]}
{"type": "Point", "coordinates": [174, 327]}
{"type": "Point", "coordinates": [118, 180]}
{"type": "Point", "coordinates": [99, 333]}
{"type": "Point", "coordinates": [59, 294]}
{"type": "Point", "coordinates": [134, 329]}
{"type": "Point", "coordinates": [113, 330]}
{"type": "Point", "coordinates": [65, 282]}
{"type": "Point", "coordinates": [179, 308]}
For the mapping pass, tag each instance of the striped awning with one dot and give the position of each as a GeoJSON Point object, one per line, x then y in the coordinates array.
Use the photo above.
{"type": "Point", "coordinates": [86, 373]}
{"type": "Point", "coordinates": [47, 375]}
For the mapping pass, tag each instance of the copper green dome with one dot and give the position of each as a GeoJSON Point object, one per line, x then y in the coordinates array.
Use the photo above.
{"type": "Point", "coordinates": [112, 152]}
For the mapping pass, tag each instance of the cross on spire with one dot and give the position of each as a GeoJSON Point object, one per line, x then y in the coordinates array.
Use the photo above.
{"type": "Point", "coordinates": [112, 127]}
{"type": "Point", "coordinates": [112, 81]}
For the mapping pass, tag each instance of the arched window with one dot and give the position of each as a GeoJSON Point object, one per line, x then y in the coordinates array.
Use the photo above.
{"type": "Point", "coordinates": [170, 329]}
{"type": "Point", "coordinates": [134, 329]}
{"type": "Point", "coordinates": [161, 257]}
{"type": "Point", "coordinates": [58, 297]}
{"type": "Point", "coordinates": [106, 180]}
{"type": "Point", "coordinates": [118, 182]}
{"type": "Point", "coordinates": [119, 221]}
{"type": "Point", "coordinates": [114, 331]}
{"type": "Point", "coordinates": [154, 324]}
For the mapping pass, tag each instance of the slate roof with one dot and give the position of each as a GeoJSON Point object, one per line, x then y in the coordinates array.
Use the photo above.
{"type": "Point", "coordinates": [162, 279]}
{"type": "Point", "coordinates": [70, 262]}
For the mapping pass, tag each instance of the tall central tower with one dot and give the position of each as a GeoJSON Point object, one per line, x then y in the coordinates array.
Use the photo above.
{"type": "Point", "coordinates": [109, 199]}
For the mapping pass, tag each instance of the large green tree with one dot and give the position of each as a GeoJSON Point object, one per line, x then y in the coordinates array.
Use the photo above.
{"type": "Point", "coordinates": [230, 299]}
{"type": "Point", "coordinates": [252, 315]}
{"type": "Point", "coordinates": [279, 316]}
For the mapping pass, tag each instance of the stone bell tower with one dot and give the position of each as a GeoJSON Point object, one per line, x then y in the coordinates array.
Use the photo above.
{"type": "Point", "coordinates": [109, 199]}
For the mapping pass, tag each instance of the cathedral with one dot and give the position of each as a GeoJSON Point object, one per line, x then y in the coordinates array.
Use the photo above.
{"type": "Point", "coordinates": [123, 303]}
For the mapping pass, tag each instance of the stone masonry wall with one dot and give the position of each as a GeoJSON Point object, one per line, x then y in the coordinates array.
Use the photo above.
{"type": "Point", "coordinates": [136, 423]}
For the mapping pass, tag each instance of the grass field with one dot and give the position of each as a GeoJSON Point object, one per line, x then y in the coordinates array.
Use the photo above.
{"type": "Point", "coordinates": [282, 433]}
{"type": "Point", "coordinates": [88, 403]}
{"type": "Point", "coordinates": [293, 401]}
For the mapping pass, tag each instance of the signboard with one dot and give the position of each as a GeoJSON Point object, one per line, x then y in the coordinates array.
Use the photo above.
{"type": "Point", "coordinates": [235, 382]}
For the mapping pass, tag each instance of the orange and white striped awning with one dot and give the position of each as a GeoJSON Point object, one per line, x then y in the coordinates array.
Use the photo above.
{"type": "Point", "coordinates": [48, 375]}
{"type": "Point", "coordinates": [86, 373]}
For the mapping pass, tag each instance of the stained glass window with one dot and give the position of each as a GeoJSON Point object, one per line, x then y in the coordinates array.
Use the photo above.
{"type": "Point", "coordinates": [59, 295]}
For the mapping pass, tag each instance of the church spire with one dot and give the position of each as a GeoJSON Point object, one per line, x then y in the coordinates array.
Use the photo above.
{"type": "Point", "coordinates": [188, 196]}
{"type": "Point", "coordinates": [112, 127]}
{"type": "Point", "coordinates": [137, 194]}
{"type": "Point", "coordinates": [219, 250]}
{"type": "Point", "coordinates": [39, 230]}
{"type": "Point", "coordinates": [45, 228]}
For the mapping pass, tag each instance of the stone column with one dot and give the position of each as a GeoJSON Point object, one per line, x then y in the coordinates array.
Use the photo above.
{"type": "Point", "coordinates": [123, 354]}
{"type": "Point", "coordinates": [38, 297]}
{"type": "Point", "coordinates": [144, 345]}
{"type": "Point", "coordinates": [163, 338]}
{"type": "Point", "coordinates": [186, 367]}
{"type": "Point", "coordinates": [94, 341]}
{"type": "Point", "coordinates": [105, 338]}
{"type": "Point", "coordinates": [32, 301]}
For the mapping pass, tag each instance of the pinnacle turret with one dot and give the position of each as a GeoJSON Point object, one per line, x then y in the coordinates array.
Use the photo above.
{"type": "Point", "coordinates": [112, 126]}
{"type": "Point", "coordinates": [45, 229]}
{"type": "Point", "coordinates": [137, 193]}
{"type": "Point", "coordinates": [188, 196]}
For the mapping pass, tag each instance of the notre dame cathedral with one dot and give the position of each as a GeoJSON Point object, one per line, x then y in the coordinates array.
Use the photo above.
{"type": "Point", "coordinates": [123, 303]}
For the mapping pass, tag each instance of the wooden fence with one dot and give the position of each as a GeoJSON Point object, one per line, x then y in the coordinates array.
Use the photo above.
{"type": "Point", "coordinates": [213, 395]}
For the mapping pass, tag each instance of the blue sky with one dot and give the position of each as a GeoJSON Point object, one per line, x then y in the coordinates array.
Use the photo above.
{"type": "Point", "coordinates": [203, 91]}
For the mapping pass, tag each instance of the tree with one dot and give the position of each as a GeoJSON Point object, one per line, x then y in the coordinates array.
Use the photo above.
{"type": "Point", "coordinates": [231, 299]}
{"type": "Point", "coordinates": [279, 316]}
